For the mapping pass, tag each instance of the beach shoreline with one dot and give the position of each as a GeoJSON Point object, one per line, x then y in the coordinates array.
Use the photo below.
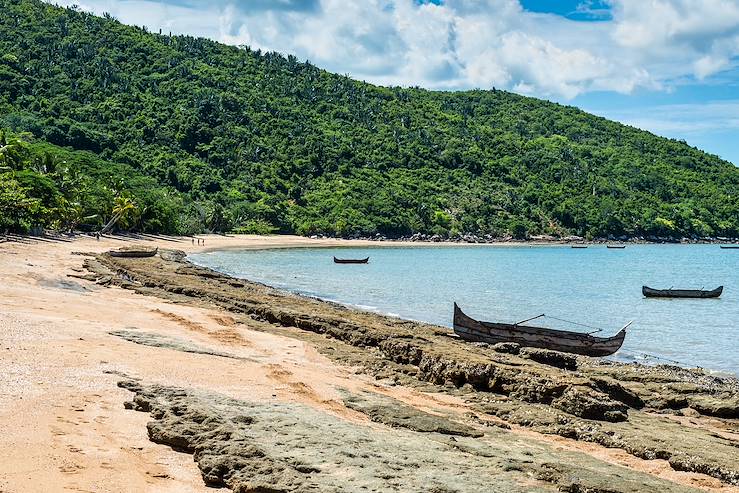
{"type": "Point", "coordinates": [70, 334]}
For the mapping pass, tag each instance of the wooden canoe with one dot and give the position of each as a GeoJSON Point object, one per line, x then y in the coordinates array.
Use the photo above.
{"type": "Point", "coordinates": [730, 247]}
{"type": "Point", "coordinates": [558, 340]}
{"type": "Point", "coordinates": [579, 246]}
{"type": "Point", "coordinates": [351, 260]}
{"type": "Point", "coordinates": [681, 293]}
{"type": "Point", "coordinates": [133, 252]}
{"type": "Point", "coordinates": [616, 246]}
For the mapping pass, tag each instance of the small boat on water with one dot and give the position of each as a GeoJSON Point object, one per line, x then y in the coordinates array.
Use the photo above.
{"type": "Point", "coordinates": [558, 340]}
{"type": "Point", "coordinates": [578, 246]}
{"type": "Point", "coordinates": [681, 293]}
{"type": "Point", "coordinates": [616, 246]}
{"type": "Point", "coordinates": [730, 247]}
{"type": "Point", "coordinates": [134, 252]}
{"type": "Point", "coordinates": [351, 260]}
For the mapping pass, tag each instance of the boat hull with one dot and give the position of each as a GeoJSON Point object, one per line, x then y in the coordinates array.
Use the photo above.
{"type": "Point", "coordinates": [557, 340]}
{"type": "Point", "coordinates": [681, 293]}
{"type": "Point", "coordinates": [133, 253]}
{"type": "Point", "coordinates": [351, 260]}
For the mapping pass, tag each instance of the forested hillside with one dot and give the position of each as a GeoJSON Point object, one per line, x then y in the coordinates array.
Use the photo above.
{"type": "Point", "coordinates": [178, 134]}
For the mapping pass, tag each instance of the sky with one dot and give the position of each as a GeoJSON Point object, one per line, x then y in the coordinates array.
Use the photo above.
{"type": "Point", "coordinates": [667, 66]}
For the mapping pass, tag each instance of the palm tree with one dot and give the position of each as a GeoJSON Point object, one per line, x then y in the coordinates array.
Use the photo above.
{"type": "Point", "coordinates": [123, 206]}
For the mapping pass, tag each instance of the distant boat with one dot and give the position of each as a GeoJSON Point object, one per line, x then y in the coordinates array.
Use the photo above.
{"type": "Point", "coordinates": [351, 260]}
{"type": "Point", "coordinates": [681, 293]}
{"type": "Point", "coordinates": [558, 340]}
{"type": "Point", "coordinates": [615, 246]}
{"type": "Point", "coordinates": [133, 252]}
{"type": "Point", "coordinates": [730, 247]}
{"type": "Point", "coordinates": [579, 246]}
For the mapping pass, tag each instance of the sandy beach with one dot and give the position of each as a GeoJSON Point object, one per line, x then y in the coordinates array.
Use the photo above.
{"type": "Point", "coordinates": [64, 425]}
{"type": "Point", "coordinates": [74, 350]}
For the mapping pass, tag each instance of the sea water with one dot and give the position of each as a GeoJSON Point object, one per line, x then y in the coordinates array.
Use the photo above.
{"type": "Point", "coordinates": [596, 287]}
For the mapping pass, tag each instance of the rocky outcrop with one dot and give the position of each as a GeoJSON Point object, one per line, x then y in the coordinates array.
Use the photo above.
{"type": "Point", "coordinates": [167, 342]}
{"type": "Point", "coordinates": [391, 412]}
{"type": "Point", "coordinates": [629, 406]}
{"type": "Point", "coordinates": [251, 446]}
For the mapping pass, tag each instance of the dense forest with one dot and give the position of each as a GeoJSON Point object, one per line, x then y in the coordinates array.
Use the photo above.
{"type": "Point", "coordinates": [110, 126]}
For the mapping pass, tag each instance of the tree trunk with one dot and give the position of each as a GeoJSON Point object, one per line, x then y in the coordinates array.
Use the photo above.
{"type": "Point", "coordinates": [110, 224]}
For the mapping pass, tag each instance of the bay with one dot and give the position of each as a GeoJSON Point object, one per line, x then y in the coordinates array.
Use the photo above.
{"type": "Point", "coordinates": [596, 286]}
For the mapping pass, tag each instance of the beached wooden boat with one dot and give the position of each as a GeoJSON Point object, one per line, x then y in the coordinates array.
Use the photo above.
{"type": "Point", "coordinates": [351, 260]}
{"type": "Point", "coordinates": [616, 246]}
{"type": "Point", "coordinates": [558, 340]}
{"type": "Point", "coordinates": [730, 247]}
{"type": "Point", "coordinates": [681, 293]}
{"type": "Point", "coordinates": [133, 252]}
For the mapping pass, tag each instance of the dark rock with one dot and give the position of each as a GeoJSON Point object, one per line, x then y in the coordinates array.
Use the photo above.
{"type": "Point", "coordinates": [590, 404]}
{"type": "Point", "coordinates": [726, 407]}
{"type": "Point", "coordinates": [172, 255]}
{"type": "Point", "coordinates": [507, 347]}
{"type": "Point", "coordinates": [551, 358]}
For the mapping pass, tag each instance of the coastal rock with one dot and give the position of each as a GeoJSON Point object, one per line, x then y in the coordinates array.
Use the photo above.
{"type": "Point", "coordinates": [721, 407]}
{"type": "Point", "coordinates": [590, 404]}
{"type": "Point", "coordinates": [551, 358]}
{"type": "Point", "coordinates": [394, 413]}
{"type": "Point", "coordinates": [507, 347]}
{"type": "Point", "coordinates": [599, 401]}
{"type": "Point", "coordinates": [162, 341]}
{"type": "Point", "coordinates": [172, 255]}
{"type": "Point", "coordinates": [249, 446]}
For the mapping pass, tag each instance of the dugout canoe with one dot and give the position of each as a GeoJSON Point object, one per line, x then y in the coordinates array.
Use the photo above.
{"type": "Point", "coordinates": [681, 293]}
{"type": "Point", "coordinates": [134, 252]}
{"type": "Point", "coordinates": [616, 246]}
{"type": "Point", "coordinates": [351, 260]}
{"type": "Point", "coordinates": [730, 247]}
{"type": "Point", "coordinates": [473, 330]}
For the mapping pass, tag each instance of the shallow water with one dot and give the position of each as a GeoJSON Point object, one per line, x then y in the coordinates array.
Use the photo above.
{"type": "Point", "coordinates": [596, 286]}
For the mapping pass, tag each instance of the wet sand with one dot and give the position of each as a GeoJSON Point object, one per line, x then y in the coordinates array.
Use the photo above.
{"type": "Point", "coordinates": [67, 342]}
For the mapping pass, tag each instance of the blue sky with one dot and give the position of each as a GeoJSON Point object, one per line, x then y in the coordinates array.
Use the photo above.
{"type": "Point", "coordinates": [668, 66]}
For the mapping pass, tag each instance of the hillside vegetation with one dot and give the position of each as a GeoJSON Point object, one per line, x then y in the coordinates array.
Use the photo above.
{"type": "Point", "coordinates": [178, 134]}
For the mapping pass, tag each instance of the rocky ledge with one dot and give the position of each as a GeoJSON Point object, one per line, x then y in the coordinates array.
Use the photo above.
{"type": "Point", "coordinates": [687, 417]}
{"type": "Point", "coordinates": [257, 447]}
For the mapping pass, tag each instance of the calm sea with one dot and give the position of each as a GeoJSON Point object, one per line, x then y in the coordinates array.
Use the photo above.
{"type": "Point", "coordinates": [596, 286]}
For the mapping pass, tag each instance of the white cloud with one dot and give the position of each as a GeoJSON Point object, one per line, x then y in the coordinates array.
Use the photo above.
{"type": "Point", "coordinates": [469, 43]}
{"type": "Point", "coordinates": [681, 120]}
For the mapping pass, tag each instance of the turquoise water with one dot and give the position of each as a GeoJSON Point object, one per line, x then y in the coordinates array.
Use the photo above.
{"type": "Point", "coordinates": [595, 286]}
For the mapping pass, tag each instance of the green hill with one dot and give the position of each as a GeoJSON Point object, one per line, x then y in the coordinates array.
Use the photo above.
{"type": "Point", "coordinates": [204, 136]}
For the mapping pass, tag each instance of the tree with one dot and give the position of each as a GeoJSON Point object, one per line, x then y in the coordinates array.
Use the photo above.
{"type": "Point", "coordinates": [123, 206]}
{"type": "Point", "coordinates": [11, 151]}
{"type": "Point", "coordinates": [17, 210]}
